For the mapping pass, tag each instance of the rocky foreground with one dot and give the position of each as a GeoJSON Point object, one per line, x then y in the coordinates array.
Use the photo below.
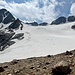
{"type": "Point", "coordinates": [60, 64]}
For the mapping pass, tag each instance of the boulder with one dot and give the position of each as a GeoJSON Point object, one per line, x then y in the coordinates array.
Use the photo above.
{"type": "Point", "coordinates": [2, 69]}
{"type": "Point", "coordinates": [60, 20]}
{"type": "Point", "coordinates": [68, 53]}
{"type": "Point", "coordinates": [61, 68]}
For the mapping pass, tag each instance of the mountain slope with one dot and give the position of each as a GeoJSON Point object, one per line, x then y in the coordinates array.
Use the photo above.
{"type": "Point", "coordinates": [41, 41]}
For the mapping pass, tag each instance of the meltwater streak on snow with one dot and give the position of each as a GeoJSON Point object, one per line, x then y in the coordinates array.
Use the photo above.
{"type": "Point", "coordinates": [41, 41]}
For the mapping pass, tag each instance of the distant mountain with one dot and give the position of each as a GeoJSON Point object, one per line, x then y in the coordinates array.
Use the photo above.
{"type": "Point", "coordinates": [60, 20]}
{"type": "Point", "coordinates": [6, 17]}
{"type": "Point", "coordinates": [16, 24]}
{"type": "Point", "coordinates": [71, 18]}
{"type": "Point", "coordinates": [36, 24]}
{"type": "Point", "coordinates": [43, 24]}
{"type": "Point", "coordinates": [7, 33]}
{"type": "Point", "coordinates": [33, 24]}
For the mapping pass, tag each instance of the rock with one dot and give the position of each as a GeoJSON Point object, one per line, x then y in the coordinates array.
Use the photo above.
{"type": "Point", "coordinates": [6, 17]}
{"type": "Point", "coordinates": [10, 42]}
{"type": "Point", "coordinates": [68, 53]}
{"type": "Point", "coordinates": [1, 69]}
{"type": "Point", "coordinates": [48, 56]}
{"type": "Point", "coordinates": [73, 27]}
{"type": "Point", "coordinates": [5, 66]}
{"type": "Point", "coordinates": [47, 63]}
{"type": "Point", "coordinates": [14, 62]}
{"type": "Point", "coordinates": [60, 20]}
{"type": "Point", "coordinates": [61, 68]}
{"type": "Point", "coordinates": [32, 67]}
{"type": "Point", "coordinates": [43, 24]}
{"type": "Point", "coordinates": [4, 39]}
{"type": "Point", "coordinates": [71, 18]}
{"type": "Point", "coordinates": [18, 36]}
{"type": "Point", "coordinates": [15, 25]}
{"type": "Point", "coordinates": [33, 24]}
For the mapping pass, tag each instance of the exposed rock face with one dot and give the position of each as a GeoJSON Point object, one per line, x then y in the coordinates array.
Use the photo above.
{"type": "Point", "coordinates": [71, 18]}
{"type": "Point", "coordinates": [16, 24]}
{"type": "Point", "coordinates": [43, 24]}
{"type": "Point", "coordinates": [73, 27]}
{"type": "Point", "coordinates": [60, 20]}
{"type": "Point", "coordinates": [7, 33]}
{"type": "Point", "coordinates": [5, 39]}
{"type": "Point", "coordinates": [36, 24]}
{"type": "Point", "coordinates": [6, 17]}
{"type": "Point", "coordinates": [33, 24]}
{"type": "Point", "coordinates": [61, 68]}
{"type": "Point", "coordinates": [18, 36]}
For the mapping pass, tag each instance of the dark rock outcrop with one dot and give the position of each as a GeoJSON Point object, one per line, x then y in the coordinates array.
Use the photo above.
{"type": "Point", "coordinates": [33, 24]}
{"type": "Point", "coordinates": [61, 68]}
{"type": "Point", "coordinates": [16, 24]}
{"type": "Point", "coordinates": [68, 53]}
{"type": "Point", "coordinates": [60, 20]}
{"type": "Point", "coordinates": [73, 27]}
{"type": "Point", "coordinates": [4, 39]}
{"type": "Point", "coordinates": [71, 18]}
{"type": "Point", "coordinates": [43, 24]}
{"type": "Point", "coordinates": [6, 17]}
{"type": "Point", "coordinates": [18, 36]}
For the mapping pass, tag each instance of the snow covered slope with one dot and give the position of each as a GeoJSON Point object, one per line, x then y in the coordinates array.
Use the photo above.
{"type": "Point", "coordinates": [41, 41]}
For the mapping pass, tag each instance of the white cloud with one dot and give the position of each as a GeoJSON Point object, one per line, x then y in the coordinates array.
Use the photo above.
{"type": "Point", "coordinates": [72, 10]}
{"type": "Point", "coordinates": [62, 3]}
{"type": "Point", "coordinates": [35, 10]}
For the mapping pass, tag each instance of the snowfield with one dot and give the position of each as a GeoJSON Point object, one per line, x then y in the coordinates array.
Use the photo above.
{"type": "Point", "coordinates": [41, 41]}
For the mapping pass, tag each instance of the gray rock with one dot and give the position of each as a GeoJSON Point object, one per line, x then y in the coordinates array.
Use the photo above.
{"type": "Point", "coordinates": [16, 25]}
{"type": "Point", "coordinates": [4, 39]}
{"type": "Point", "coordinates": [6, 17]}
{"type": "Point", "coordinates": [71, 18]}
{"type": "Point", "coordinates": [60, 20]}
{"type": "Point", "coordinates": [61, 68]}
{"type": "Point", "coordinates": [73, 27]}
{"type": "Point", "coordinates": [18, 36]}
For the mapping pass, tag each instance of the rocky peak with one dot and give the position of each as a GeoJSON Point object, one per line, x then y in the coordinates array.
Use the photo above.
{"type": "Point", "coordinates": [59, 20]}
{"type": "Point", "coordinates": [71, 18]}
{"type": "Point", "coordinates": [16, 24]}
{"type": "Point", "coordinates": [5, 16]}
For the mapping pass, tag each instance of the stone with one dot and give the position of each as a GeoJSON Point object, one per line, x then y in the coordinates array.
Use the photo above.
{"type": "Point", "coordinates": [14, 62]}
{"type": "Point", "coordinates": [68, 53]}
{"type": "Point", "coordinates": [61, 68]}
{"type": "Point", "coordinates": [1, 69]}
{"type": "Point", "coordinates": [48, 56]}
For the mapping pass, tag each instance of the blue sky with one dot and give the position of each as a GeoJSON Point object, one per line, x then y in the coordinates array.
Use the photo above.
{"type": "Point", "coordinates": [39, 10]}
{"type": "Point", "coordinates": [18, 1]}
